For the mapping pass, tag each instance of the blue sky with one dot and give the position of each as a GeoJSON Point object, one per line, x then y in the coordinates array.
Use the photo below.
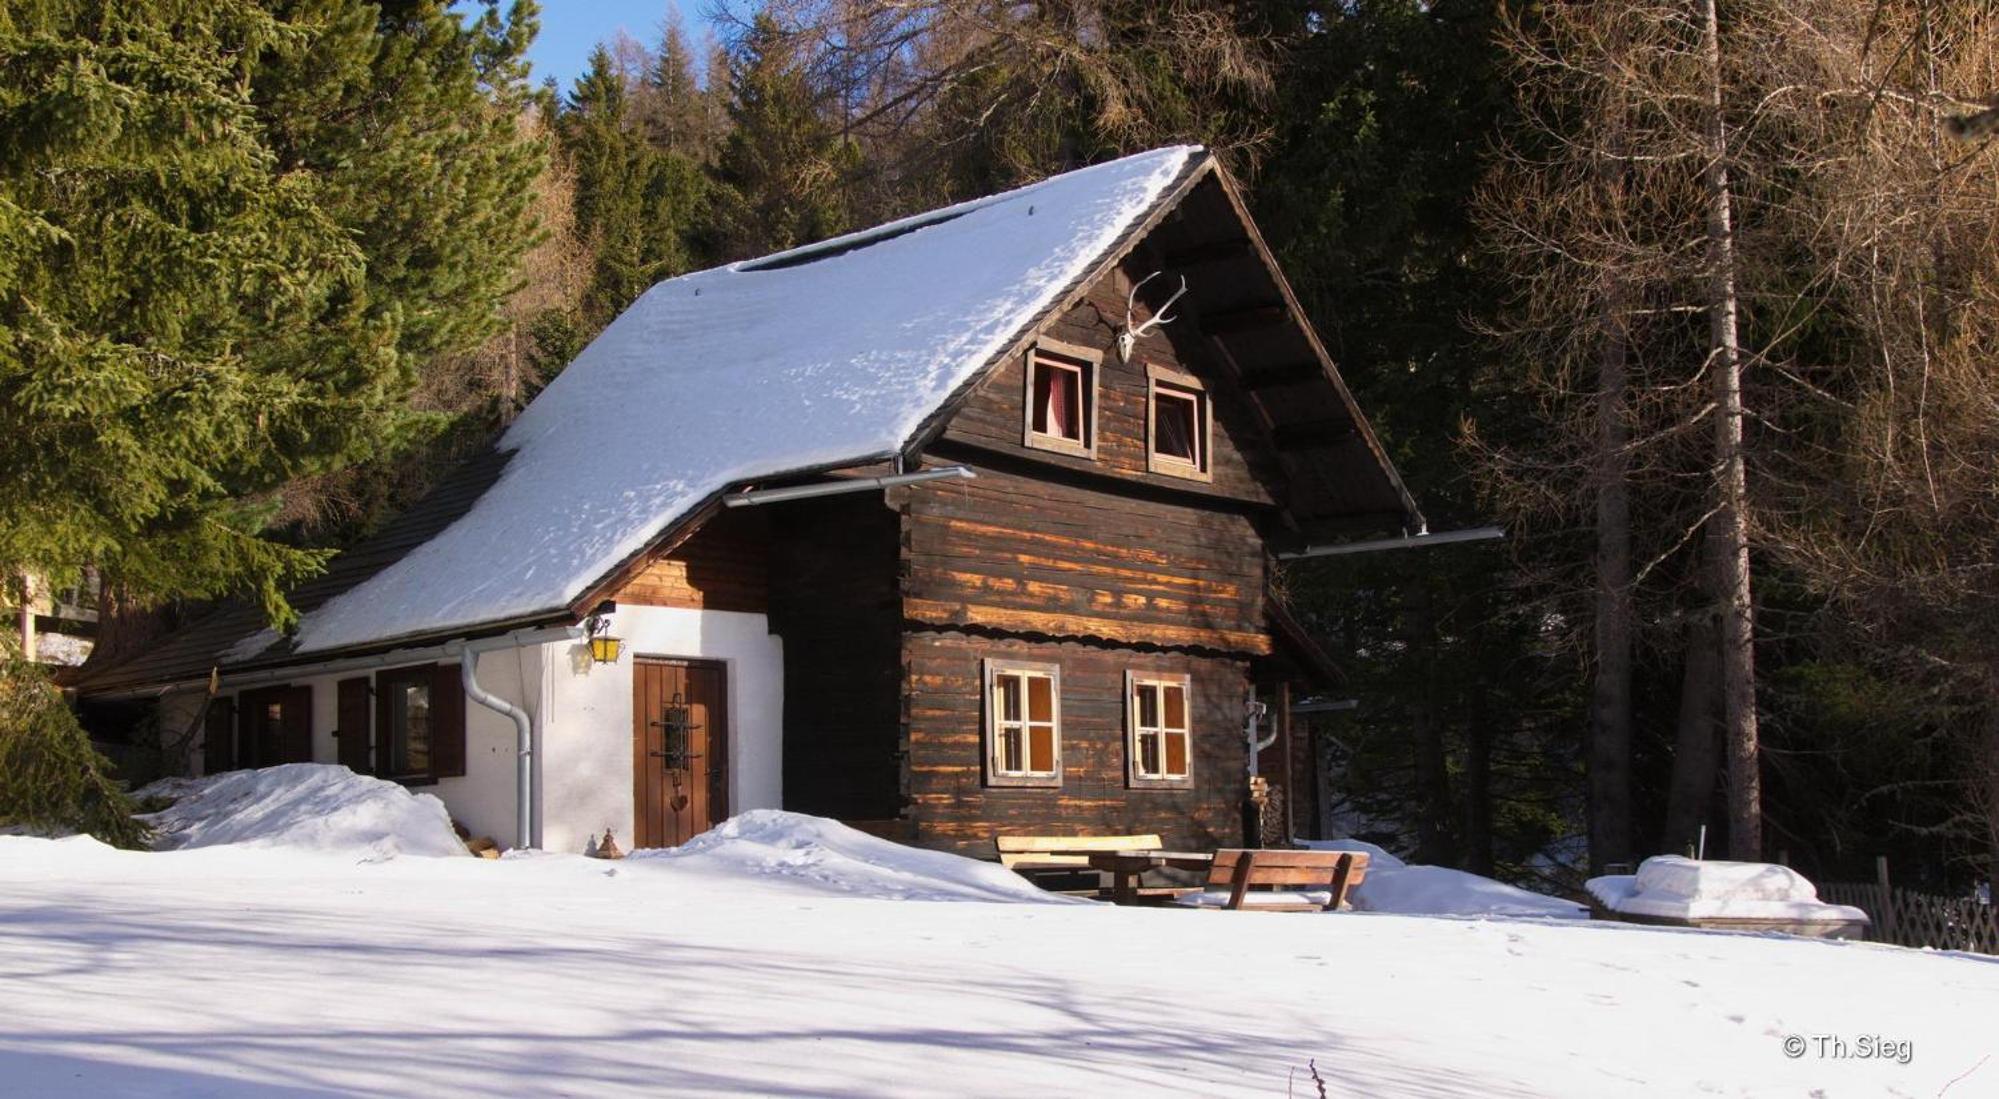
{"type": "Point", "coordinates": [571, 28]}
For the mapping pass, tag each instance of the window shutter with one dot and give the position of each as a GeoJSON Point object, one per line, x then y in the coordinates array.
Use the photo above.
{"type": "Point", "coordinates": [447, 715]}
{"type": "Point", "coordinates": [383, 730]}
{"type": "Point", "coordinates": [354, 733]}
{"type": "Point", "coordinates": [218, 738]}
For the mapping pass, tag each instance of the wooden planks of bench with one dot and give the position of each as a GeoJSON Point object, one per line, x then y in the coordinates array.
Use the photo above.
{"type": "Point", "coordinates": [1238, 869]}
{"type": "Point", "coordinates": [1041, 852]}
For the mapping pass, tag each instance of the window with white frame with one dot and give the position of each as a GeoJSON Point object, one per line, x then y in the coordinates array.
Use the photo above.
{"type": "Point", "coordinates": [1160, 743]}
{"type": "Point", "coordinates": [1177, 418]}
{"type": "Point", "coordinates": [1023, 724]}
{"type": "Point", "coordinates": [1061, 399]}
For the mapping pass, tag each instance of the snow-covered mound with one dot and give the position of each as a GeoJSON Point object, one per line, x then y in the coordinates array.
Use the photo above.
{"type": "Point", "coordinates": [1442, 891]}
{"type": "Point", "coordinates": [302, 806]}
{"type": "Point", "coordinates": [1392, 885]}
{"type": "Point", "coordinates": [1378, 857]}
{"type": "Point", "coordinates": [1675, 887]}
{"type": "Point", "coordinates": [828, 855]}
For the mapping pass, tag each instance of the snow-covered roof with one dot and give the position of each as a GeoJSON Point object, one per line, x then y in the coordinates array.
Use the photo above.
{"type": "Point", "coordinates": [827, 355]}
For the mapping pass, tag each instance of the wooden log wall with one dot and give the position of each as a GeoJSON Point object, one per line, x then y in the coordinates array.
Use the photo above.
{"type": "Point", "coordinates": [1243, 466]}
{"type": "Point", "coordinates": [721, 567]}
{"type": "Point", "coordinates": [834, 601]}
{"type": "Point", "coordinates": [1010, 553]}
{"type": "Point", "coordinates": [952, 808]}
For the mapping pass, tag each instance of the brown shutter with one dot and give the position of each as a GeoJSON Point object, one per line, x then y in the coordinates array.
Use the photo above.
{"type": "Point", "coordinates": [447, 715]}
{"type": "Point", "coordinates": [218, 747]}
{"type": "Point", "coordinates": [353, 734]}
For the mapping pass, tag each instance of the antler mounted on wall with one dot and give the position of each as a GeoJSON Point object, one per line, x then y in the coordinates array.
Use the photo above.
{"type": "Point", "coordinates": [1128, 336]}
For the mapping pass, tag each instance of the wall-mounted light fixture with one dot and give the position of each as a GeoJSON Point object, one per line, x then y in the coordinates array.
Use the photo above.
{"type": "Point", "coordinates": [603, 647]}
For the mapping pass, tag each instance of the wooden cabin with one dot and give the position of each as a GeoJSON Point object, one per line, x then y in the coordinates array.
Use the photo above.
{"type": "Point", "coordinates": [959, 526]}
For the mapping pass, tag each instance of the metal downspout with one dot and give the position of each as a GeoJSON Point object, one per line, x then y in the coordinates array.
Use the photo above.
{"type": "Point", "coordinates": [468, 674]}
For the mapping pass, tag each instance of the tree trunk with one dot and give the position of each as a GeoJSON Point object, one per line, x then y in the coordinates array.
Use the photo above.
{"type": "Point", "coordinates": [1433, 776]}
{"type": "Point", "coordinates": [124, 626]}
{"type": "Point", "coordinates": [1610, 689]}
{"type": "Point", "coordinates": [1692, 785]}
{"type": "Point", "coordinates": [1728, 528]}
{"type": "Point", "coordinates": [1609, 750]}
{"type": "Point", "coordinates": [1478, 771]}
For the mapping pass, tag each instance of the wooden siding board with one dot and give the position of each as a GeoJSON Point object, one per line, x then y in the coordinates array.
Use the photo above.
{"type": "Point", "coordinates": [723, 566]}
{"type": "Point", "coordinates": [1005, 552]}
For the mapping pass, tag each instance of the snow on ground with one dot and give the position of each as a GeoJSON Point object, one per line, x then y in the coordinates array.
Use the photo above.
{"type": "Point", "coordinates": [1392, 885]}
{"type": "Point", "coordinates": [303, 807]}
{"type": "Point", "coordinates": [1676, 887]}
{"type": "Point", "coordinates": [231, 970]}
{"type": "Point", "coordinates": [1443, 891]}
{"type": "Point", "coordinates": [826, 855]}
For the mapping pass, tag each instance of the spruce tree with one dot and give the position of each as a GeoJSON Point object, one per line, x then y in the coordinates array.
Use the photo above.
{"type": "Point", "coordinates": [782, 166]}
{"type": "Point", "coordinates": [636, 201]}
{"type": "Point", "coordinates": [230, 234]}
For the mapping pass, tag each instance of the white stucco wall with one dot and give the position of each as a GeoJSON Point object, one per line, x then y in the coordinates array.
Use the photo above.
{"type": "Point", "coordinates": [587, 781]}
{"type": "Point", "coordinates": [483, 798]}
{"type": "Point", "coordinates": [583, 711]}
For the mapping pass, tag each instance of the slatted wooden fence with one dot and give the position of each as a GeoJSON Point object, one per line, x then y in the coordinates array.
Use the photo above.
{"type": "Point", "coordinates": [1907, 918]}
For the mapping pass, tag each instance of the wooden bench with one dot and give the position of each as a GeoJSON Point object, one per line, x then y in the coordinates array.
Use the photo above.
{"type": "Point", "coordinates": [1059, 864]}
{"type": "Point", "coordinates": [1311, 881]}
{"type": "Point", "coordinates": [1058, 852]}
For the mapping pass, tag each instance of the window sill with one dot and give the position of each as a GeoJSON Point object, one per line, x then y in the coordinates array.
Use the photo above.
{"type": "Point", "coordinates": [1173, 467]}
{"type": "Point", "coordinates": [1058, 444]}
{"type": "Point", "coordinates": [414, 780]}
{"type": "Point", "coordinates": [1160, 783]}
{"type": "Point", "coordinates": [1024, 782]}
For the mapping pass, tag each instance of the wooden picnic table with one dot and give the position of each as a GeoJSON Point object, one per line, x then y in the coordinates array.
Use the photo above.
{"type": "Point", "coordinates": [1126, 866]}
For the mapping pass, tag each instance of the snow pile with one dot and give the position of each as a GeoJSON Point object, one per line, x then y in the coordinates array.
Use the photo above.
{"type": "Point", "coordinates": [814, 358]}
{"type": "Point", "coordinates": [1676, 887]}
{"type": "Point", "coordinates": [1442, 891]}
{"type": "Point", "coordinates": [1378, 857]}
{"type": "Point", "coordinates": [302, 806]}
{"type": "Point", "coordinates": [828, 856]}
{"type": "Point", "coordinates": [1392, 885]}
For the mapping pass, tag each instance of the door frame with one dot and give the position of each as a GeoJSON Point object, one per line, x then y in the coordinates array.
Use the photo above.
{"type": "Point", "coordinates": [719, 777]}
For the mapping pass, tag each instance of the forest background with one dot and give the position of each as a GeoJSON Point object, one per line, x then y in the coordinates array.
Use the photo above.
{"type": "Point", "coordinates": [1695, 298]}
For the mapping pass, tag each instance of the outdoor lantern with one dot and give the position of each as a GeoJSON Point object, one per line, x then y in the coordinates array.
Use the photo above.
{"type": "Point", "coordinates": [603, 647]}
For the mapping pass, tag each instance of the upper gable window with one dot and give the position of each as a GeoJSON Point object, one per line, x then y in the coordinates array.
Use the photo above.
{"type": "Point", "coordinates": [1177, 423]}
{"type": "Point", "coordinates": [1061, 399]}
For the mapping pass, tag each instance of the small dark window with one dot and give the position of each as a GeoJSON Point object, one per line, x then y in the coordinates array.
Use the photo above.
{"type": "Point", "coordinates": [1061, 398]}
{"type": "Point", "coordinates": [1180, 431]}
{"type": "Point", "coordinates": [419, 723]}
{"type": "Point", "coordinates": [1178, 415]}
{"type": "Point", "coordinates": [409, 729]}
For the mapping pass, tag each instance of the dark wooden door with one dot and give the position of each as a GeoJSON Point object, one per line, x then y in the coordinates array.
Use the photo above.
{"type": "Point", "coordinates": [276, 726]}
{"type": "Point", "coordinates": [680, 737]}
